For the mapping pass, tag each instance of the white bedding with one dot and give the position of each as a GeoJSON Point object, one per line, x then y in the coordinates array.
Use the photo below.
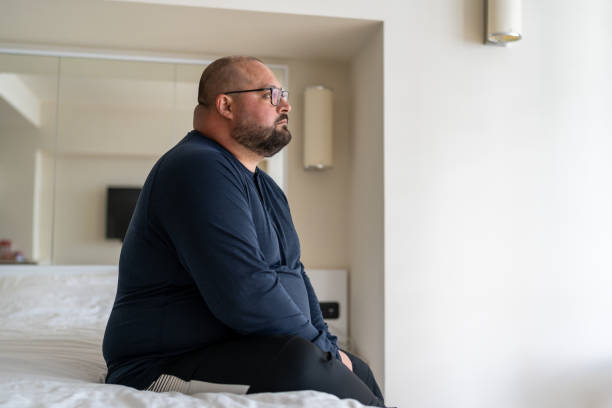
{"type": "Point", "coordinates": [52, 321]}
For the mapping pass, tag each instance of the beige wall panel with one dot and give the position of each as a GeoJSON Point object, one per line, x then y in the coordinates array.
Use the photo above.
{"type": "Point", "coordinates": [116, 107]}
{"type": "Point", "coordinates": [80, 215]}
{"type": "Point", "coordinates": [366, 223]}
{"type": "Point", "coordinates": [44, 194]}
{"type": "Point", "coordinates": [17, 153]}
{"type": "Point", "coordinates": [19, 141]}
{"type": "Point", "coordinates": [115, 130]}
{"type": "Point", "coordinates": [319, 200]}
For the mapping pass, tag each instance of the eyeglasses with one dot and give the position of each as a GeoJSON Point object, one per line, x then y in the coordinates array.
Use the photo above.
{"type": "Point", "coordinates": [276, 94]}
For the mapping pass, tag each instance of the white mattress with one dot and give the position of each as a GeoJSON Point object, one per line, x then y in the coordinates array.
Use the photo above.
{"type": "Point", "coordinates": [52, 321]}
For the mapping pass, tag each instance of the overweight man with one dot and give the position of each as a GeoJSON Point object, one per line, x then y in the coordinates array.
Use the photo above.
{"type": "Point", "coordinates": [211, 286]}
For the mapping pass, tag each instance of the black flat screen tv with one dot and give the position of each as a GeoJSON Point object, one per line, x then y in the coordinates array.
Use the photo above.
{"type": "Point", "coordinates": [120, 204]}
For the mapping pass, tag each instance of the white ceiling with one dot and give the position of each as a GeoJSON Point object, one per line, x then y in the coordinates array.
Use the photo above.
{"type": "Point", "coordinates": [180, 29]}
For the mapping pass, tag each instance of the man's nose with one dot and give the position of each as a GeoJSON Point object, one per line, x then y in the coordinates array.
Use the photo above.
{"type": "Point", "coordinates": [283, 106]}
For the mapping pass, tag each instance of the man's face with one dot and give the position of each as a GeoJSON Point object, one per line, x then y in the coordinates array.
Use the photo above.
{"type": "Point", "coordinates": [260, 126]}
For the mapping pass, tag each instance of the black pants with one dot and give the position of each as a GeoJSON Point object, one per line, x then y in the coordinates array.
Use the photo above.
{"type": "Point", "coordinates": [278, 363]}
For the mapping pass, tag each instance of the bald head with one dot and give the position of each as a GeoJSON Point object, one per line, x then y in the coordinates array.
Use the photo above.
{"type": "Point", "coordinates": [223, 75]}
{"type": "Point", "coordinates": [235, 109]}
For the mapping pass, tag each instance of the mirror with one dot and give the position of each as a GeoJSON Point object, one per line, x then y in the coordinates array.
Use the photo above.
{"type": "Point", "coordinates": [70, 128]}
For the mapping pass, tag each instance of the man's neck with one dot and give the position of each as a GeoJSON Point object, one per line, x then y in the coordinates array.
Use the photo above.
{"type": "Point", "coordinates": [215, 128]}
{"type": "Point", "coordinates": [248, 158]}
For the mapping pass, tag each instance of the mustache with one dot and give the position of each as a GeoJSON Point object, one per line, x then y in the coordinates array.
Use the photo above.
{"type": "Point", "coordinates": [282, 117]}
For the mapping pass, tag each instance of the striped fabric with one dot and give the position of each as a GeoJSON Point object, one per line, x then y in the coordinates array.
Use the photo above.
{"type": "Point", "coordinates": [171, 383]}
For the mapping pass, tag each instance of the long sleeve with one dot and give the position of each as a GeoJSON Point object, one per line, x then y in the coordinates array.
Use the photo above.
{"type": "Point", "coordinates": [316, 315]}
{"type": "Point", "coordinates": [207, 216]}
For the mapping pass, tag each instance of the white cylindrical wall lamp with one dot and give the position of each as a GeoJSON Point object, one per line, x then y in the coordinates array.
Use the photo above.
{"type": "Point", "coordinates": [318, 127]}
{"type": "Point", "coordinates": [503, 21]}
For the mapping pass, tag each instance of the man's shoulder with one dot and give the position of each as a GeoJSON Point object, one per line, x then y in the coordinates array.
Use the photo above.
{"type": "Point", "coordinates": [195, 145]}
{"type": "Point", "coordinates": [197, 155]}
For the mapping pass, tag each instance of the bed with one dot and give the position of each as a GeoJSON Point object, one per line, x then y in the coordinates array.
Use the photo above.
{"type": "Point", "coordinates": [53, 320]}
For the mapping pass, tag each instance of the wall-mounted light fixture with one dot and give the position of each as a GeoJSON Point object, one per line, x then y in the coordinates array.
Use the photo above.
{"type": "Point", "coordinates": [318, 127]}
{"type": "Point", "coordinates": [503, 21]}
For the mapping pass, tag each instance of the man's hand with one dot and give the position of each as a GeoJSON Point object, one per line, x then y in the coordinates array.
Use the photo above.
{"type": "Point", "coordinates": [346, 360]}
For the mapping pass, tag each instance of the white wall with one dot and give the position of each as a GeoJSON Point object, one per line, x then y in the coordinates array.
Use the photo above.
{"type": "Point", "coordinates": [497, 189]}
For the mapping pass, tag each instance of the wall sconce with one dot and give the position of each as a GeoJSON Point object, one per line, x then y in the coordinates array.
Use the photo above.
{"type": "Point", "coordinates": [318, 127]}
{"type": "Point", "coordinates": [503, 21]}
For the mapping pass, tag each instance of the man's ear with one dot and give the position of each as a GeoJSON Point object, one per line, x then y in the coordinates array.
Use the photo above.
{"type": "Point", "coordinates": [224, 106]}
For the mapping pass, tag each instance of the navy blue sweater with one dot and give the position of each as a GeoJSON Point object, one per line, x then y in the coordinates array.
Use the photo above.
{"type": "Point", "coordinates": [211, 254]}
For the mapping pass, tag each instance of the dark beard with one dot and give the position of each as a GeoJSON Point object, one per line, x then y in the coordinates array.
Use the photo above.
{"type": "Point", "coordinates": [265, 141]}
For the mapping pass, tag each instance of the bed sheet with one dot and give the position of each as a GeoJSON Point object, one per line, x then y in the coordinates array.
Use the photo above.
{"type": "Point", "coordinates": [52, 322]}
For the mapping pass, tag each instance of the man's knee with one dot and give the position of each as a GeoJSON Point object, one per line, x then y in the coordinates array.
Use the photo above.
{"type": "Point", "coordinates": [302, 353]}
{"type": "Point", "coordinates": [362, 370]}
